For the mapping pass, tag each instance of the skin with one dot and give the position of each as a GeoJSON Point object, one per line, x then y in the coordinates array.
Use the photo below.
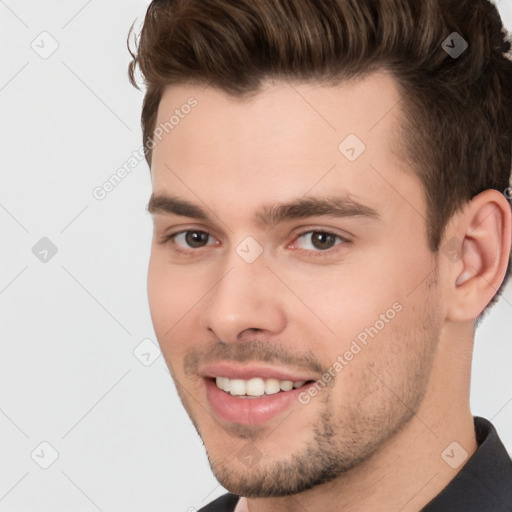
{"type": "Point", "coordinates": [385, 419]}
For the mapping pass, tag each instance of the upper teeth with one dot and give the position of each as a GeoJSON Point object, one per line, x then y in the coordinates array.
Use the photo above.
{"type": "Point", "coordinates": [256, 386]}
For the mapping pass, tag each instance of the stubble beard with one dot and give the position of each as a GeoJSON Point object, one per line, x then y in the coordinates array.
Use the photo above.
{"type": "Point", "coordinates": [342, 437]}
{"type": "Point", "coordinates": [339, 442]}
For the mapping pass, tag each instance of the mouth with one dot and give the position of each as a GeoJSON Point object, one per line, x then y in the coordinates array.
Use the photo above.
{"type": "Point", "coordinates": [252, 395]}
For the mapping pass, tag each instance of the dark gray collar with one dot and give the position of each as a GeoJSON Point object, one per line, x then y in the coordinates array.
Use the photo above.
{"type": "Point", "coordinates": [484, 484]}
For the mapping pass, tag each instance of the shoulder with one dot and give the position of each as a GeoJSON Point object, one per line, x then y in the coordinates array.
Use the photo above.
{"type": "Point", "coordinates": [225, 503]}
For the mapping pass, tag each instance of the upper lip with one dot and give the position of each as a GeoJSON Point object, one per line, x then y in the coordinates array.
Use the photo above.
{"type": "Point", "coordinates": [249, 371]}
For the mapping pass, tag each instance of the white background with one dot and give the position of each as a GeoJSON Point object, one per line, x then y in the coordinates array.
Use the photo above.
{"type": "Point", "coordinates": [70, 325]}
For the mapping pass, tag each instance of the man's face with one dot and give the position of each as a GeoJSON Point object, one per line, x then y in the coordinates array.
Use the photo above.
{"type": "Point", "coordinates": [344, 304]}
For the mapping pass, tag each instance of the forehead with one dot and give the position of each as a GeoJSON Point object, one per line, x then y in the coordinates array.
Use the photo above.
{"type": "Point", "coordinates": [288, 139]}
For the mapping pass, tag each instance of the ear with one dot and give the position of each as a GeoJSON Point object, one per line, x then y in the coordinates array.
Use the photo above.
{"type": "Point", "coordinates": [482, 232]}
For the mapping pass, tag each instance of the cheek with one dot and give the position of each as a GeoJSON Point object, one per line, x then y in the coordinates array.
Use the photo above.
{"type": "Point", "coordinates": [390, 370]}
{"type": "Point", "coordinates": [175, 294]}
{"type": "Point", "coordinates": [396, 358]}
{"type": "Point", "coordinates": [344, 301]}
{"type": "Point", "coordinates": [168, 300]}
{"type": "Point", "coordinates": [160, 300]}
{"type": "Point", "coordinates": [369, 314]}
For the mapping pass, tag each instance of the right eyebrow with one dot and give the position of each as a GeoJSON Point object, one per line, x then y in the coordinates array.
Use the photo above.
{"type": "Point", "coordinates": [161, 203]}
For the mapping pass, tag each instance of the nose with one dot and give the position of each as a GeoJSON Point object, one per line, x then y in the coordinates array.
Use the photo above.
{"type": "Point", "coordinates": [243, 302]}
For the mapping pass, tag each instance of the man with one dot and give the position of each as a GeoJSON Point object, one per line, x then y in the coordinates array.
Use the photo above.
{"type": "Point", "coordinates": [331, 217]}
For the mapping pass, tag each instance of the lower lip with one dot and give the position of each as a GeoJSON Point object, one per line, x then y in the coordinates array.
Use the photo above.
{"type": "Point", "coordinates": [250, 411]}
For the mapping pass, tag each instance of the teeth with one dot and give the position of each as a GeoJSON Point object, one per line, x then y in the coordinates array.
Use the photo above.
{"type": "Point", "coordinates": [256, 386]}
{"type": "Point", "coordinates": [272, 386]}
{"type": "Point", "coordinates": [237, 387]}
{"type": "Point", "coordinates": [223, 383]}
{"type": "Point", "coordinates": [286, 385]}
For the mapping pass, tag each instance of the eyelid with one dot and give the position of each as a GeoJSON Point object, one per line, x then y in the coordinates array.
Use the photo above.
{"type": "Point", "coordinates": [343, 240]}
{"type": "Point", "coordinates": [171, 236]}
{"type": "Point", "coordinates": [176, 230]}
{"type": "Point", "coordinates": [330, 231]}
{"type": "Point", "coordinates": [208, 242]}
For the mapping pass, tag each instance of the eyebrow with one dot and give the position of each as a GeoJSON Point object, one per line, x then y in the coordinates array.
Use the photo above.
{"type": "Point", "coordinates": [270, 215]}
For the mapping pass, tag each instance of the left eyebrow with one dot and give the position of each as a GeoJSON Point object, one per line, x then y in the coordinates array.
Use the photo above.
{"type": "Point", "coordinates": [270, 215]}
{"type": "Point", "coordinates": [312, 207]}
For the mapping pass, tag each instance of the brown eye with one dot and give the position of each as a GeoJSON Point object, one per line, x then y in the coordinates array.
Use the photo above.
{"type": "Point", "coordinates": [196, 239]}
{"type": "Point", "coordinates": [318, 241]}
{"type": "Point", "coordinates": [322, 240]}
{"type": "Point", "coordinates": [190, 239]}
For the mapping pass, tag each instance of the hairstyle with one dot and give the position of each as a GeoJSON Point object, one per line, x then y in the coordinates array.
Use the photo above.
{"type": "Point", "coordinates": [456, 129]}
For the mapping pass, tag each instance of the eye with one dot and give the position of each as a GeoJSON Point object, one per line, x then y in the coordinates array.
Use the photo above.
{"type": "Point", "coordinates": [191, 239]}
{"type": "Point", "coordinates": [319, 240]}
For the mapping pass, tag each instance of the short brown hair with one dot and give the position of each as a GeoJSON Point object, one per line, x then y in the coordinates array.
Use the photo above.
{"type": "Point", "coordinates": [457, 122]}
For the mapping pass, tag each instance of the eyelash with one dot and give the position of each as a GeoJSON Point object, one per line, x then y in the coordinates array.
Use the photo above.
{"type": "Point", "coordinates": [311, 253]}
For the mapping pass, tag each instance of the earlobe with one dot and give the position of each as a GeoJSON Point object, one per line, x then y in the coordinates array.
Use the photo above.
{"type": "Point", "coordinates": [484, 226]}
